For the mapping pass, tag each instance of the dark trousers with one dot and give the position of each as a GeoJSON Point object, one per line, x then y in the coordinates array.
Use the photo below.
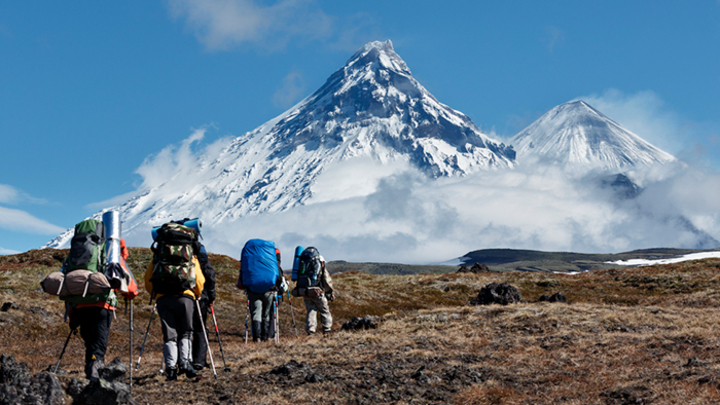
{"type": "Point", "coordinates": [176, 314]}
{"type": "Point", "coordinates": [261, 312]}
{"type": "Point", "coordinates": [199, 346]}
{"type": "Point", "coordinates": [94, 323]}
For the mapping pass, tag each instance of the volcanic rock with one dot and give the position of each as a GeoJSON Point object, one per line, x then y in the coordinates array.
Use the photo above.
{"type": "Point", "coordinates": [357, 323]}
{"type": "Point", "coordinates": [19, 387]}
{"type": "Point", "coordinates": [495, 293]}
{"type": "Point", "coordinates": [557, 297]}
{"type": "Point", "coordinates": [476, 268]}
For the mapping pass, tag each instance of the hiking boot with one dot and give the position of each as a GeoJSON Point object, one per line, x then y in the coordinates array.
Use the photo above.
{"type": "Point", "coordinates": [188, 370]}
{"type": "Point", "coordinates": [92, 370]}
{"type": "Point", "coordinates": [171, 373]}
{"type": "Point", "coordinates": [198, 366]}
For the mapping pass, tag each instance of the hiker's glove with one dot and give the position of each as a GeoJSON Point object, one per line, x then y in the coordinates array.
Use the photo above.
{"type": "Point", "coordinates": [330, 297]}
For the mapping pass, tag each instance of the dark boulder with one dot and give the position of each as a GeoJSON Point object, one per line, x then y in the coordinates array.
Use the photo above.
{"type": "Point", "coordinates": [17, 386]}
{"type": "Point", "coordinates": [557, 297]}
{"type": "Point", "coordinates": [476, 268]}
{"type": "Point", "coordinates": [297, 373]}
{"type": "Point", "coordinates": [12, 371]}
{"type": "Point", "coordinates": [102, 393]}
{"type": "Point", "coordinates": [357, 323]}
{"type": "Point", "coordinates": [495, 293]}
{"type": "Point", "coordinates": [114, 370]}
{"type": "Point", "coordinates": [8, 306]}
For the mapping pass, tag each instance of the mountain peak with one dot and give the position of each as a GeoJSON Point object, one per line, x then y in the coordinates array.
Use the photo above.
{"type": "Point", "coordinates": [373, 102]}
{"type": "Point", "coordinates": [575, 133]}
{"type": "Point", "coordinates": [380, 53]}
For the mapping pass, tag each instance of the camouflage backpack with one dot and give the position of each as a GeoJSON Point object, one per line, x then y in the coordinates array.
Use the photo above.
{"type": "Point", "coordinates": [173, 252]}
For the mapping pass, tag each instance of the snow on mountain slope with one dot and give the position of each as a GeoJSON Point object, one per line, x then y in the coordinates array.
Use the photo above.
{"type": "Point", "coordinates": [577, 136]}
{"type": "Point", "coordinates": [371, 107]}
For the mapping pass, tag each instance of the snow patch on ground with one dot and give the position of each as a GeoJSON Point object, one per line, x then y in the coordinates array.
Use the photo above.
{"type": "Point", "coordinates": [644, 262]}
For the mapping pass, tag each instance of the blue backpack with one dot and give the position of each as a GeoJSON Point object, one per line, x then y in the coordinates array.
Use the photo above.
{"type": "Point", "coordinates": [296, 263]}
{"type": "Point", "coordinates": [259, 266]}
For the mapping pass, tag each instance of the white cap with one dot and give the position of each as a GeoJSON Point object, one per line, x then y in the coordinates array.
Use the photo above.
{"type": "Point", "coordinates": [322, 259]}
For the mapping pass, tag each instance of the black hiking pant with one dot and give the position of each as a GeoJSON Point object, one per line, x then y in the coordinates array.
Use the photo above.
{"type": "Point", "coordinates": [94, 323]}
{"type": "Point", "coordinates": [176, 312]}
{"type": "Point", "coordinates": [261, 306]}
{"type": "Point", "coordinates": [199, 346]}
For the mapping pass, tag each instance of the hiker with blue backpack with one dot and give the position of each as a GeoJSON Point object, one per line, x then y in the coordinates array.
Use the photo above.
{"type": "Point", "coordinates": [314, 284]}
{"type": "Point", "coordinates": [175, 279]}
{"type": "Point", "coordinates": [261, 277]}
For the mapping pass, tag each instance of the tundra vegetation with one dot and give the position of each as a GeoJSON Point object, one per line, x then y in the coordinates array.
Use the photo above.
{"type": "Point", "coordinates": [625, 336]}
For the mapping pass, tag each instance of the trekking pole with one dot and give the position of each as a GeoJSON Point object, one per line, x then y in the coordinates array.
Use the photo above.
{"type": "Point", "coordinates": [277, 323]}
{"type": "Point", "coordinates": [132, 332]}
{"type": "Point", "coordinates": [131, 344]}
{"type": "Point", "coordinates": [207, 342]}
{"type": "Point", "coordinates": [142, 348]}
{"type": "Point", "coordinates": [292, 312]}
{"type": "Point", "coordinates": [217, 331]}
{"type": "Point", "coordinates": [247, 315]}
{"type": "Point", "coordinates": [63, 350]}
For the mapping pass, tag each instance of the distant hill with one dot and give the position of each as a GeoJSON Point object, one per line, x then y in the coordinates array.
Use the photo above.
{"type": "Point", "coordinates": [533, 260]}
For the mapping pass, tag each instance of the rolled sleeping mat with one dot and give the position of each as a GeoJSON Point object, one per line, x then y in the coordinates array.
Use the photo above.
{"type": "Point", "coordinates": [296, 262]}
{"type": "Point", "coordinates": [192, 223]}
{"type": "Point", "coordinates": [113, 232]}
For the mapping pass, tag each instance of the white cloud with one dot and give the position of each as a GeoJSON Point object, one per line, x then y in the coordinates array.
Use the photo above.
{"type": "Point", "coordinates": [11, 195]}
{"type": "Point", "coordinates": [408, 218]}
{"type": "Point", "coordinates": [553, 37]}
{"type": "Point", "coordinates": [17, 220]}
{"type": "Point", "coordinates": [169, 163]}
{"type": "Point", "coordinates": [8, 194]}
{"type": "Point", "coordinates": [293, 89]}
{"type": "Point", "coordinates": [225, 24]}
{"type": "Point", "coordinates": [4, 251]}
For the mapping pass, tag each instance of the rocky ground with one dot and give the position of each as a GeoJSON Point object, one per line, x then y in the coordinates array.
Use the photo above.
{"type": "Point", "coordinates": [632, 336]}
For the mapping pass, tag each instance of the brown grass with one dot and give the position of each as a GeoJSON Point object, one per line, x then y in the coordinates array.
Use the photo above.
{"type": "Point", "coordinates": [643, 335]}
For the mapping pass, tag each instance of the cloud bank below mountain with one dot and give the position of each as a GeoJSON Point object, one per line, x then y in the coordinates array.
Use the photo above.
{"type": "Point", "coordinates": [398, 214]}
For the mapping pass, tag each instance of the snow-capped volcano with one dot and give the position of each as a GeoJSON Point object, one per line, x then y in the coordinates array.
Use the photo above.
{"type": "Point", "coordinates": [576, 135]}
{"type": "Point", "coordinates": [372, 107]}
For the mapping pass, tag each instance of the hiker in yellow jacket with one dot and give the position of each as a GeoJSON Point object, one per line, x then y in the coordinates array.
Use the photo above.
{"type": "Point", "coordinates": [176, 312]}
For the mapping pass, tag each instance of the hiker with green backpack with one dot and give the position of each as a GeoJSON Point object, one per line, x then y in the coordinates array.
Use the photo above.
{"type": "Point", "coordinates": [175, 279]}
{"type": "Point", "coordinates": [93, 273]}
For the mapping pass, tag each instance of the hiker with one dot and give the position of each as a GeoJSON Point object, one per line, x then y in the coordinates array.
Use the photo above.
{"type": "Point", "coordinates": [261, 277]}
{"type": "Point", "coordinates": [314, 284]}
{"type": "Point", "coordinates": [175, 279]}
{"type": "Point", "coordinates": [90, 295]}
{"type": "Point", "coordinates": [199, 346]}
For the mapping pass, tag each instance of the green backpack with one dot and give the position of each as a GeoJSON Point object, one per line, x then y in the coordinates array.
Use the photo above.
{"type": "Point", "coordinates": [87, 247]}
{"type": "Point", "coordinates": [87, 253]}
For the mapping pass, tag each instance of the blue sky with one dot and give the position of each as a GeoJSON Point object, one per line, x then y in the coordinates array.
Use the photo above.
{"type": "Point", "coordinates": [89, 90]}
